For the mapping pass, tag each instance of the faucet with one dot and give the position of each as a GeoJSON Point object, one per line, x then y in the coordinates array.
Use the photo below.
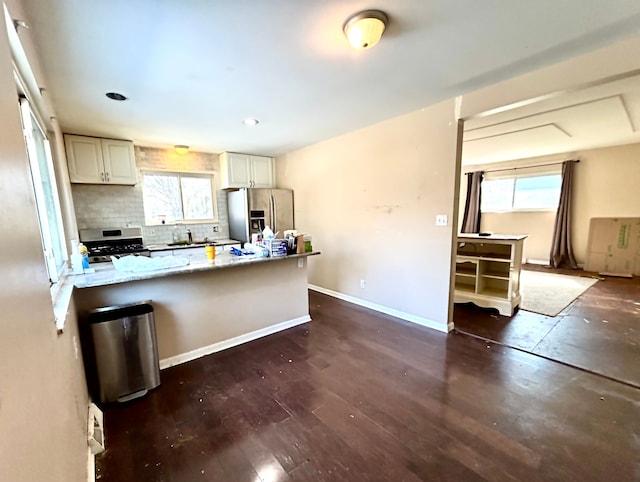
{"type": "Point", "coordinates": [189, 237]}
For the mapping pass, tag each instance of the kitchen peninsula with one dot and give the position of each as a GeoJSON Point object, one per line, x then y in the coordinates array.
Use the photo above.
{"type": "Point", "coordinates": [206, 306]}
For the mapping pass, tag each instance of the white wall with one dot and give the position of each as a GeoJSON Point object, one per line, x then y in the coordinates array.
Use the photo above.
{"type": "Point", "coordinates": [369, 199]}
{"type": "Point", "coordinates": [43, 397]}
{"type": "Point", "coordinates": [605, 185]}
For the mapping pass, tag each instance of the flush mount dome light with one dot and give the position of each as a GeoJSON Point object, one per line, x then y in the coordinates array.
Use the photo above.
{"type": "Point", "coordinates": [251, 122]}
{"type": "Point", "coordinates": [115, 96]}
{"type": "Point", "coordinates": [364, 29]}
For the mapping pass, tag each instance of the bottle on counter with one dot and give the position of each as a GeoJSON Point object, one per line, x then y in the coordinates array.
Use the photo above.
{"type": "Point", "coordinates": [84, 252]}
{"type": "Point", "coordinates": [76, 259]}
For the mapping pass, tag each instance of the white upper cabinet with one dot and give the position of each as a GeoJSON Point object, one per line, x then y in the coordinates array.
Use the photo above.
{"type": "Point", "coordinates": [244, 170]}
{"type": "Point", "coordinates": [93, 160]}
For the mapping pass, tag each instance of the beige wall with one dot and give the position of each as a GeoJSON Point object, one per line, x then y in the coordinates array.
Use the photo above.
{"type": "Point", "coordinates": [199, 309]}
{"type": "Point", "coordinates": [369, 199]}
{"type": "Point", "coordinates": [605, 185]}
{"type": "Point", "coordinates": [43, 399]}
{"type": "Point", "coordinates": [538, 226]}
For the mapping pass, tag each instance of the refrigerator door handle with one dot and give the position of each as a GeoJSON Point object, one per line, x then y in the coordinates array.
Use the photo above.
{"type": "Point", "coordinates": [270, 219]}
{"type": "Point", "coordinates": [275, 214]}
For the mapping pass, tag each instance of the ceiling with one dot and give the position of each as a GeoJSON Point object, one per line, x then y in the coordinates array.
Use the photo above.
{"type": "Point", "coordinates": [598, 116]}
{"type": "Point", "coordinates": [194, 69]}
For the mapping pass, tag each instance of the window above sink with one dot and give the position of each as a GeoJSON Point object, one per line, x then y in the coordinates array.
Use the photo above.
{"type": "Point", "coordinates": [179, 197]}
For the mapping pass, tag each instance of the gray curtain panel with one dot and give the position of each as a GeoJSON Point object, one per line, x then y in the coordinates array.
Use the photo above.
{"type": "Point", "coordinates": [471, 219]}
{"type": "Point", "coordinates": [561, 250]}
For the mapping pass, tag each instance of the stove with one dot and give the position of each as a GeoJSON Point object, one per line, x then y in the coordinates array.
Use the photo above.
{"type": "Point", "coordinates": [117, 242]}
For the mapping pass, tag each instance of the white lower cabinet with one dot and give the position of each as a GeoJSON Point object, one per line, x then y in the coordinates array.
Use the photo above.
{"type": "Point", "coordinates": [193, 253]}
{"type": "Point", "coordinates": [160, 254]}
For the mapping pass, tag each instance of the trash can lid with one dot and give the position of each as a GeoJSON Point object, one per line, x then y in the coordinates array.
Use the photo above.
{"type": "Point", "coordinates": [109, 313]}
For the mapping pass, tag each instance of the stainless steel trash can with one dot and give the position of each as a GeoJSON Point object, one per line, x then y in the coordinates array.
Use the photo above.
{"type": "Point", "coordinates": [126, 353]}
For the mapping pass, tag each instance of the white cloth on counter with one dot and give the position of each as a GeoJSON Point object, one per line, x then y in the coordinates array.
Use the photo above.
{"type": "Point", "coordinates": [138, 264]}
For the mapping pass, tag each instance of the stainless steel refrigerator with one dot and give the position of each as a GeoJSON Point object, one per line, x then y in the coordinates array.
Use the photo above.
{"type": "Point", "coordinates": [250, 210]}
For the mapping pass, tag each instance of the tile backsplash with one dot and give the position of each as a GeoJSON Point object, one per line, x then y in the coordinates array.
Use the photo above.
{"type": "Point", "coordinates": [100, 206]}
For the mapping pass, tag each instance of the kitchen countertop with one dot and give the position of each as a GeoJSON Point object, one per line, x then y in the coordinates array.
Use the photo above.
{"type": "Point", "coordinates": [107, 274]}
{"type": "Point", "coordinates": [168, 247]}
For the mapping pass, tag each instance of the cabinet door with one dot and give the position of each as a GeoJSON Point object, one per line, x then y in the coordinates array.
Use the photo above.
{"type": "Point", "coordinates": [194, 254]}
{"type": "Point", "coordinates": [262, 171]}
{"type": "Point", "coordinates": [119, 162]}
{"type": "Point", "coordinates": [84, 158]}
{"type": "Point", "coordinates": [161, 254]}
{"type": "Point", "coordinates": [235, 169]}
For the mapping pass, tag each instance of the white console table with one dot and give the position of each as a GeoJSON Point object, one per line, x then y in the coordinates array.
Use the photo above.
{"type": "Point", "coordinates": [488, 271]}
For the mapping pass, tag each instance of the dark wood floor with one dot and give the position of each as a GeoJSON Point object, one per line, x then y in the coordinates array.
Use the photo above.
{"type": "Point", "coordinates": [360, 396]}
{"type": "Point", "coordinates": [599, 332]}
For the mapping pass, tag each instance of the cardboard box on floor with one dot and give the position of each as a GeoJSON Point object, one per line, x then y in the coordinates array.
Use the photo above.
{"type": "Point", "coordinates": [614, 246]}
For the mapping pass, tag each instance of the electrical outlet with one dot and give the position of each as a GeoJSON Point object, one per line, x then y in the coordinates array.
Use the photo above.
{"type": "Point", "coordinates": [216, 229]}
{"type": "Point", "coordinates": [441, 219]}
{"type": "Point", "coordinates": [152, 232]}
{"type": "Point", "coordinates": [363, 283]}
{"type": "Point", "coordinates": [300, 262]}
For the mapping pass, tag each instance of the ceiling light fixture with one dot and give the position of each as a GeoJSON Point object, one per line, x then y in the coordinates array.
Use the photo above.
{"type": "Point", "coordinates": [181, 149]}
{"type": "Point", "coordinates": [251, 122]}
{"type": "Point", "coordinates": [115, 96]}
{"type": "Point", "coordinates": [364, 29]}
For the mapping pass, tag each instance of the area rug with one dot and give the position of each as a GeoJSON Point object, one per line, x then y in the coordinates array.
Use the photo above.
{"type": "Point", "coordinates": [550, 293]}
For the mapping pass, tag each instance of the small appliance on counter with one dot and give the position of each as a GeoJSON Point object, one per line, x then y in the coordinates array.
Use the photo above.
{"type": "Point", "coordinates": [102, 243]}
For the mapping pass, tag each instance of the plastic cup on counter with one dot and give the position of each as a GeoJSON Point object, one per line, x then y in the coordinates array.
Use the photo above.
{"type": "Point", "coordinates": [211, 252]}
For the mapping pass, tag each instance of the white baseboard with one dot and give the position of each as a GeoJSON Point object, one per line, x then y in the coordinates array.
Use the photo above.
{"type": "Point", "coordinates": [542, 262]}
{"type": "Point", "coordinates": [418, 320]}
{"type": "Point", "coordinates": [238, 340]}
{"type": "Point", "coordinates": [545, 262]}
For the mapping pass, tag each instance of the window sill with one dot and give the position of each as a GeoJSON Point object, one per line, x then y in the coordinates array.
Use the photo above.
{"type": "Point", "coordinates": [532, 210]}
{"type": "Point", "coordinates": [182, 223]}
{"type": "Point", "coordinates": [61, 299]}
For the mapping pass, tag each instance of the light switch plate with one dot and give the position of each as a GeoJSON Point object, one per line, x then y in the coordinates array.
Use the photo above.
{"type": "Point", "coordinates": [441, 219]}
{"type": "Point", "coordinates": [300, 262]}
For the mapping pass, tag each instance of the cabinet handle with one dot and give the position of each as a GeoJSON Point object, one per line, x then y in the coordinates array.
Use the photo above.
{"type": "Point", "coordinates": [102, 177]}
{"type": "Point", "coordinates": [107, 175]}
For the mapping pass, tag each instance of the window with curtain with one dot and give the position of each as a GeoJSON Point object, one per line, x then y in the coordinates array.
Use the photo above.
{"type": "Point", "coordinates": [521, 192]}
{"type": "Point", "coordinates": [176, 197]}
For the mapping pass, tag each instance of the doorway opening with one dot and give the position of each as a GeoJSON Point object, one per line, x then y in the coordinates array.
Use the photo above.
{"type": "Point", "coordinates": [520, 152]}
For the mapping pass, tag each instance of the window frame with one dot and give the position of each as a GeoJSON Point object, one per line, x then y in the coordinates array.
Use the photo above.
{"type": "Point", "coordinates": [515, 178]}
{"type": "Point", "coordinates": [31, 120]}
{"type": "Point", "coordinates": [179, 174]}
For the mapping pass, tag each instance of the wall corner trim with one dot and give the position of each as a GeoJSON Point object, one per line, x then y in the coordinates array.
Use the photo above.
{"type": "Point", "coordinates": [418, 320]}
{"type": "Point", "coordinates": [231, 342]}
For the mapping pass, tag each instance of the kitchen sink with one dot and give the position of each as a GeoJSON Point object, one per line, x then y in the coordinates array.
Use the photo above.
{"type": "Point", "coordinates": [195, 243]}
